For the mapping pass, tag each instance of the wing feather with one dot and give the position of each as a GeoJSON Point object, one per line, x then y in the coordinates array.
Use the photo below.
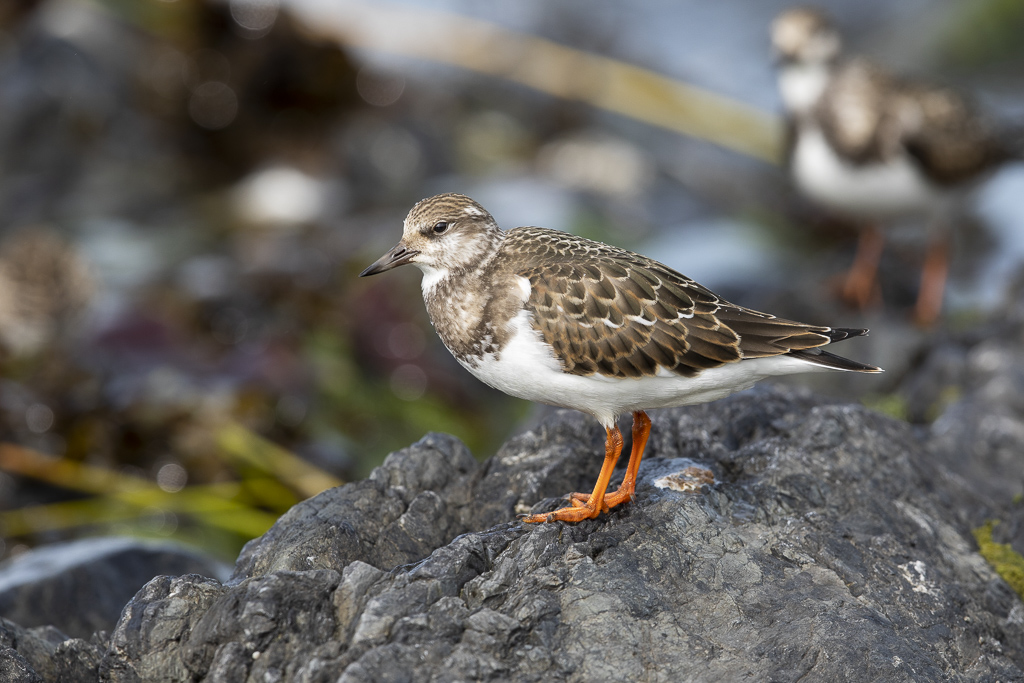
{"type": "Point", "coordinates": [612, 312]}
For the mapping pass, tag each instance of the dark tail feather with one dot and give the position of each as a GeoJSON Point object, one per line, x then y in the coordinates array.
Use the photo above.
{"type": "Point", "coordinates": [818, 356]}
{"type": "Point", "coordinates": [841, 333]}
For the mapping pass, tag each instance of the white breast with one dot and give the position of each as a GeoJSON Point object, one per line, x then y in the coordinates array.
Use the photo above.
{"type": "Point", "coordinates": [800, 86]}
{"type": "Point", "coordinates": [875, 191]}
{"type": "Point", "coordinates": [527, 368]}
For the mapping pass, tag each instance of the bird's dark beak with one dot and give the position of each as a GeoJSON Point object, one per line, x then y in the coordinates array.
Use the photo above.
{"type": "Point", "coordinates": [398, 256]}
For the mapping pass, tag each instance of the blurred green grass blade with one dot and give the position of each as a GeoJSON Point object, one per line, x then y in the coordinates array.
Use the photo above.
{"type": "Point", "coordinates": [69, 474]}
{"type": "Point", "coordinates": [211, 504]}
{"type": "Point", "coordinates": [269, 492]}
{"type": "Point", "coordinates": [65, 515]}
{"type": "Point", "coordinates": [349, 401]}
{"type": "Point", "coordinates": [201, 507]}
{"type": "Point", "coordinates": [242, 445]}
{"type": "Point", "coordinates": [240, 520]}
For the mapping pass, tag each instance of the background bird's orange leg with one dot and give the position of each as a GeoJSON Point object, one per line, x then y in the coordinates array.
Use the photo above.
{"type": "Point", "coordinates": [860, 286]}
{"type": "Point", "coordinates": [933, 283]}
{"type": "Point", "coordinates": [595, 503]}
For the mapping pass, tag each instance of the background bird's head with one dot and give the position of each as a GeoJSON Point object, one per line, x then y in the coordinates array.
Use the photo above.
{"type": "Point", "coordinates": [806, 45]}
{"type": "Point", "coordinates": [805, 36]}
{"type": "Point", "coordinates": [442, 234]}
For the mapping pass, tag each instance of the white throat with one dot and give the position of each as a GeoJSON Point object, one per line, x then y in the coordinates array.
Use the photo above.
{"type": "Point", "coordinates": [801, 85]}
{"type": "Point", "coordinates": [431, 277]}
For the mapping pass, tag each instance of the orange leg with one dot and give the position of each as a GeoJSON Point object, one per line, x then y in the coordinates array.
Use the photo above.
{"type": "Point", "coordinates": [933, 283]}
{"type": "Point", "coordinates": [595, 503]}
{"type": "Point", "coordinates": [860, 287]}
{"type": "Point", "coordinates": [641, 430]}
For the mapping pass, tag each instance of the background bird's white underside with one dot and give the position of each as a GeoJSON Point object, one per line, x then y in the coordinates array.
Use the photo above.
{"type": "Point", "coordinates": [802, 85]}
{"type": "Point", "coordinates": [528, 369]}
{"type": "Point", "coordinates": [873, 190]}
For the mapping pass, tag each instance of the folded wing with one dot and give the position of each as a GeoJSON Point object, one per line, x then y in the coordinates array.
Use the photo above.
{"type": "Point", "coordinates": [619, 314]}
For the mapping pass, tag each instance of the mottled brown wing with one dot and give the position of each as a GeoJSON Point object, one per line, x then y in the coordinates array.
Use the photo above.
{"type": "Point", "coordinates": [855, 115]}
{"type": "Point", "coordinates": [950, 140]}
{"type": "Point", "coordinates": [870, 116]}
{"type": "Point", "coordinates": [608, 311]}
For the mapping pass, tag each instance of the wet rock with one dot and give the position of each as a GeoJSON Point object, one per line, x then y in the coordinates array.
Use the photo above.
{"type": "Point", "coordinates": [81, 587]}
{"type": "Point", "coordinates": [827, 547]}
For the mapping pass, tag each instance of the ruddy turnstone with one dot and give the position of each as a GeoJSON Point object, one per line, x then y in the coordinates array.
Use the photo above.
{"type": "Point", "coordinates": [562, 320]}
{"type": "Point", "coordinates": [873, 147]}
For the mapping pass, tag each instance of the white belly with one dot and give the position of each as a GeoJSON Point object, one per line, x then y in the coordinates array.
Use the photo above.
{"type": "Point", "coordinates": [870, 191]}
{"type": "Point", "coordinates": [527, 369]}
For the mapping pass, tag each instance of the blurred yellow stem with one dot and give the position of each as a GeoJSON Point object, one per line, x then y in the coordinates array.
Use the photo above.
{"type": "Point", "coordinates": [548, 67]}
{"type": "Point", "coordinates": [243, 445]}
{"type": "Point", "coordinates": [212, 504]}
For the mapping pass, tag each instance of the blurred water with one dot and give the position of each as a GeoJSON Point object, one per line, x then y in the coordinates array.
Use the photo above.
{"type": "Point", "coordinates": [1000, 202]}
{"type": "Point", "coordinates": [720, 45]}
{"type": "Point", "coordinates": [720, 253]}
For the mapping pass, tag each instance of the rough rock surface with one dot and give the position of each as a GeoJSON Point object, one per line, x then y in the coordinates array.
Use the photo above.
{"type": "Point", "coordinates": [45, 654]}
{"type": "Point", "coordinates": [80, 587]}
{"type": "Point", "coordinates": [417, 502]}
{"type": "Point", "coordinates": [834, 544]}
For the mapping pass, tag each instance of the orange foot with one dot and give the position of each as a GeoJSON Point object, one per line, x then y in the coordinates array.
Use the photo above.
{"type": "Point", "coordinates": [571, 514]}
{"type": "Point", "coordinates": [584, 506]}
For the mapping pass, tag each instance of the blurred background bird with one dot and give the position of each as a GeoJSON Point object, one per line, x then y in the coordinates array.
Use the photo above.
{"type": "Point", "coordinates": [872, 146]}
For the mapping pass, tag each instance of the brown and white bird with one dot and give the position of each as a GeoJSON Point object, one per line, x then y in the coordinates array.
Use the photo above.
{"type": "Point", "coordinates": [873, 147]}
{"type": "Point", "coordinates": [558, 319]}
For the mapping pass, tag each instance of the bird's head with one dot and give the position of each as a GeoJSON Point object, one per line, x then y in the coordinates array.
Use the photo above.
{"type": "Point", "coordinates": [442, 234]}
{"type": "Point", "coordinates": [804, 35]}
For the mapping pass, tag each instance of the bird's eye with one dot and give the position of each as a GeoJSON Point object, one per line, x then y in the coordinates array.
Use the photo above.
{"type": "Point", "coordinates": [440, 227]}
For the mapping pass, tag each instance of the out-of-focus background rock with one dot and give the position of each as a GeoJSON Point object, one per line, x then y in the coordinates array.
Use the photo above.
{"type": "Point", "coordinates": [188, 189]}
{"type": "Point", "coordinates": [80, 587]}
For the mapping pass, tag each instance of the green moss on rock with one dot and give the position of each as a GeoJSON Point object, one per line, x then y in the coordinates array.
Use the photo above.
{"type": "Point", "coordinates": [1007, 562]}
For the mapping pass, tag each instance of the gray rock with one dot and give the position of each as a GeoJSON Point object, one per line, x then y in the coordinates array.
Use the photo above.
{"type": "Point", "coordinates": [81, 586]}
{"type": "Point", "coordinates": [417, 501]}
{"type": "Point", "coordinates": [14, 668]}
{"type": "Point", "coordinates": [823, 550]}
{"type": "Point", "coordinates": [145, 646]}
{"type": "Point", "coordinates": [980, 437]}
{"type": "Point", "coordinates": [27, 654]}
{"type": "Point", "coordinates": [77, 660]}
{"type": "Point", "coordinates": [833, 544]}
